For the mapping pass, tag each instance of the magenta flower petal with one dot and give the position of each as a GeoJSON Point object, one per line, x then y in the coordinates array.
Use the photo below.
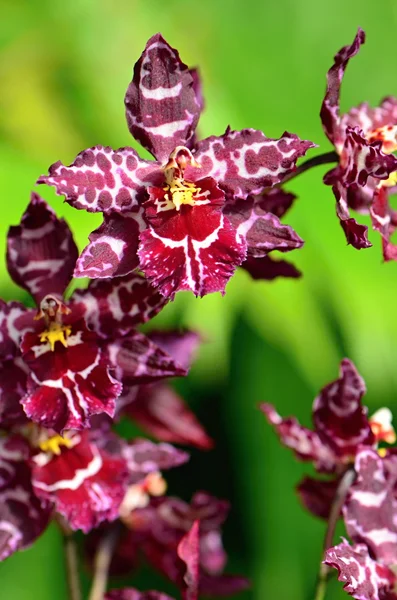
{"type": "Point", "coordinates": [143, 457]}
{"type": "Point", "coordinates": [194, 248]}
{"type": "Point", "coordinates": [330, 107]}
{"type": "Point", "coordinates": [132, 594]}
{"type": "Point", "coordinates": [69, 384]}
{"type": "Point", "coordinates": [181, 345]}
{"type": "Point", "coordinates": [269, 268]}
{"type": "Point", "coordinates": [85, 483]}
{"type": "Point", "coordinates": [189, 552]}
{"type": "Point", "coordinates": [41, 253]}
{"type": "Point", "coordinates": [338, 414]}
{"type": "Point", "coordinates": [161, 105]}
{"type": "Point", "coordinates": [113, 247]}
{"type": "Point", "coordinates": [162, 413]}
{"type": "Point", "coordinates": [15, 321]}
{"type": "Point", "coordinates": [23, 517]}
{"type": "Point", "coordinates": [113, 307]}
{"type": "Point", "coordinates": [317, 495]}
{"type": "Point", "coordinates": [363, 577]}
{"type": "Point", "coordinates": [245, 162]}
{"type": "Point", "coordinates": [103, 180]}
{"type": "Point", "coordinates": [13, 385]}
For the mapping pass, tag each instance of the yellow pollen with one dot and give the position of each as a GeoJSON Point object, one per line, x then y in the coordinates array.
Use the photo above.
{"type": "Point", "coordinates": [54, 444]}
{"type": "Point", "coordinates": [56, 333]}
{"type": "Point", "coordinates": [182, 192]}
{"type": "Point", "coordinates": [391, 181]}
{"type": "Point", "coordinates": [382, 452]}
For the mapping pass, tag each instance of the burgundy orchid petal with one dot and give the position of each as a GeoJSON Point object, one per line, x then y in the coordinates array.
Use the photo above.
{"type": "Point", "coordinates": [181, 345]}
{"type": "Point", "coordinates": [245, 162]}
{"type": "Point", "coordinates": [363, 577]}
{"type": "Point", "coordinates": [132, 594]}
{"type": "Point", "coordinates": [370, 508]}
{"type": "Point", "coordinates": [356, 234]}
{"type": "Point", "coordinates": [318, 495]}
{"type": "Point", "coordinates": [371, 119]}
{"type": "Point", "coordinates": [13, 386]}
{"type": "Point", "coordinates": [189, 552]}
{"type": "Point", "coordinates": [162, 413]}
{"type": "Point", "coordinates": [113, 307]}
{"type": "Point", "coordinates": [86, 484]}
{"type": "Point", "coordinates": [113, 247]}
{"type": "Point", "coordinates": [15, 321]}
{"type": "Point", "coordinates": [260, 229]}
{"type": "Point", "coordinates": [69, 384]}
{"type": "Point", "coordinates": [338, 414]}
{"type": "Point", "coordinates": [306, 444]}
{"type": "Point", "coordinates": [330, 107]}
{"type": "Point", "coordinates": [23, 517]}
{"type": "Point", "coordinates": [41, 253]}
{"type": "Point", "coordinates": [381, 217]}
{"type": "Point", "coordinates": [161, 106]}
{"type": "Point", "coordinates": [193, 248]}
{"type": "Point", "coordinates": [143, 457]}
{"type": "Point", "coordinates": [276, 201]}
{"type": "Point", "coordinates": [139, 360]}
{"type": "Point", "coordinates": [269, 268]}
{"type": "Point", "coordinates": [222, 585]}
{"type": "Point", "coordinates": [103, 180]}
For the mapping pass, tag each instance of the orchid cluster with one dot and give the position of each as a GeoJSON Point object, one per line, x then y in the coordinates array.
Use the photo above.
{"type": "Point", "coordinates": [75, 364]}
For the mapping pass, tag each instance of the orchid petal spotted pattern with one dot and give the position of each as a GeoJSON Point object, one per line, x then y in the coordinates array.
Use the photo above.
{"type": "Point", "coordinates": [161, 105]}
{"type": "Point", "coordinates": [29, 247]}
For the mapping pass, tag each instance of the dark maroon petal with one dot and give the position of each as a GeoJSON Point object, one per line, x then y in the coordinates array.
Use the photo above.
{"type": "Point", "coordinates": [339, 417]}
{"type": "Point", "coordinates": [113, 247]}
{"type": "Point", "coordinates": [363, 577]}
{"type": "Point", "coordinates": [162, 413]}
{"type": "Point", "coordinates": [85, 483]}
{"type": "Point", "coordinates": [103, 180]}
{"type": "Point", "coordinates": [356, 234]}
{"type": "Point", "coordinates": [161, 105]}
{"type": "Point", "coordinates": [194, 248]}
{"type": "Point", "coordinates": [143, 457]}
{"type": "Point", "coordinates": [41, 253]}
{"type": "Point", "coordinates": [276, 201]}
{"type": "Point", "coordinates": [132, 594]}
{"type": "Point", "coordinates": [15, 321]}
{"type": "Point", "coordinates": [222, 585]}
{"type": "Point", "coordinates": [246, 162]}
{"type": "Point", "coordinates": [370, 508]}
{"type": "Point", "coordinates": [381, 217]}
{"type": "Point", "coordinates": [69, 384]}
{"type": "Point", "coordinates": [330, 107]}
{"type": "Point", "coordinates": [269, 268]}
{"type": "Point", "coordinates": [181, 345]}
{"type": "Point", "coordinates": [317, 495]}
{"type": "Point", "coordinates": [189, 552]}
{"type": "Point", "coordinates": [139, 360]}
{"type": "Point", "coordinates": [113, 307]}
{"type": "Point", "coordinates": [306, 444]}
{"type": "Point", "coordinates": [13, 387]}
{"type": "Point", "coordinates": [23, 517]}
{"type": "Point", "coordinates": [261, 230]}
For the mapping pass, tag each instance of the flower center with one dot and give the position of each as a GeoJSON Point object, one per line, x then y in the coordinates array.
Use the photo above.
{"type": "Point", "coordinates": [178, 191]}
{"type": "Point", "coordinates": [54, 444]}
{"type": "Point", "coordinates": [381, 426]}
{"type": "Point", "coordinates": [388, 136]}
{"type": "Point", "coordinates": [51, 310]}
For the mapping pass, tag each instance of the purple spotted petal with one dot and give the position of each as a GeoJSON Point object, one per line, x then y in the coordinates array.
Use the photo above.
{"type": "Point", "coordinates": [103, 180]}
{"type": "Point", "coordinates": [132, 594]}
{"type": "Point", "coordinates": [369, 119]}
{"type": "Point", "coordinates": [137, 359]}
{"type": "Point", "coordinates": [113, 307]}
{"type": "Point", "coordinates": [356, 234]}
{"type": "Point", "coordinates": [245, 162]}
{"type": "Point", "coordinates": [189, 552]}
{"type": "Point", "coordinates": [269, 268]}
{"type": "Point", "coordinates": [260, 229]}
{"type": "Point", "coordinates": [181, 345]}
{"type": "Point", "coordinates": [15, 321]}
{"type": "Point", "coordinates": [330, 107]}
{"type": "Point", "coordinates": [23, 518]}
{"type": "Point", "coordinates": [161, 105]}
{"type": "Point", "coordinates": [162, 413]}
{"type": "Point", "coordinates": [13, 387]}
{"type": "Point", "coordinates": [306, 444]}
{"type": "Point", "coordinates": [143, 457]}
{"type": "Point", "coordinates": [370, 508]}
{"type": "Point", "coordinates": [41, 253]}
{"type": "Point", "coordinates": [384, 220]}
{"type": "Point", "coordinates": [317, 495]}
{"type": "Point", "coordinates": [84, 482]}
{"type": "Point", "coordinates": [363, 577]}
{"type": "Point", "coordinates": [276, 201]}
{"type": "Point", "coordinates": [339, 417]}
{"type": "Point", "coordinates": [113, 247]}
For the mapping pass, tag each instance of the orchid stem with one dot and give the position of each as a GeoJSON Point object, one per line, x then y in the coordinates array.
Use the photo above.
{"type": "Point", "coordinates": [72, 565]}
{"type": "Point", "coordinates": [321, 159]}
{"type": "Point", "coordinates": [102, 562]}
{"type": "Point", "coordinates": [337, 503]}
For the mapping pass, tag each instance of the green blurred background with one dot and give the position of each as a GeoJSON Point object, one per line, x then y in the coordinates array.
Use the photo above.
{"type": "Point", "coordinates": [64, 70]}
